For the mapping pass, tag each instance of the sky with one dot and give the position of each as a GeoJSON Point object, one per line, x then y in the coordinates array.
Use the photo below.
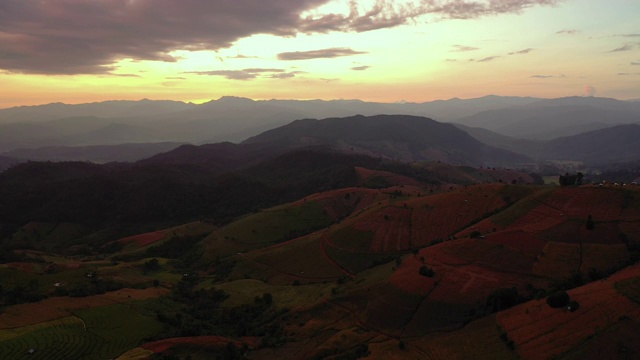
{"type": "Point", "coordinates": [78, 51]}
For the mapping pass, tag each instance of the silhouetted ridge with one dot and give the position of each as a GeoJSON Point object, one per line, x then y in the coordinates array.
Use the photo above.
{"type": "Point", "coordinates": [402, 137]}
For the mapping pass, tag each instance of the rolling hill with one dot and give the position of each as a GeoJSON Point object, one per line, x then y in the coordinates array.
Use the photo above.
{"type": "Point", "coordinates": [407, 138]}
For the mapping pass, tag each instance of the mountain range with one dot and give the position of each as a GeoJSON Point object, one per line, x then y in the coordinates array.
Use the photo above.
{"type": "Point", "coordinates": [526, 126]}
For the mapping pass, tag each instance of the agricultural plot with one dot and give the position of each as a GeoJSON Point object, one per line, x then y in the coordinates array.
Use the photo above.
{"type": "Point", "coordinates": [558, 260]}
{"type": "Point", "coordinates": [266, 228]}
{"type": "Point", "coordinates": [480, 339]}
{"type": "Point", "coordinates": [575, 231]}
{"type": "Point", "coordinates": [542, 332]}
{"type": "Point", "coordinates": [442, 215]}
{"type": "Point", "coordinates": [302, 259]}
{"type": "Point", "coordinates": [60, 307]}
{"type": "Point", "coordinates": [284, 296]}
{"type": "Point", "coordinates": [98, 333]}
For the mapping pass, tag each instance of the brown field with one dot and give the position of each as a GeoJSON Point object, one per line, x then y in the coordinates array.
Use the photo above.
{"type": "Point", "coordinates": [577, 232]}
{"type": "Point", "coordinates": [144, 239]}
{"type": "Point", "coordinates": [542, 332]}
{"type": "Point", "coordinates": [59, 307]}
{"type": "Point", "coordinates": [392, 178]}
{"type": "Point", "coordinates": [518, 240]}
{"type": "Point", "coordinates": [208, 342]}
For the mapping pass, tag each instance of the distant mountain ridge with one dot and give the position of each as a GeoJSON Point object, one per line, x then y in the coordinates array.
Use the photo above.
{"type": "Point", "coordinates": [402, 137]}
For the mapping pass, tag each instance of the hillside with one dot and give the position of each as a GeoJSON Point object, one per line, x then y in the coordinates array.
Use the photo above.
{"type": "Point", "coordinates": [407, 138]}
{"type": "Point", "coordinates": [96, 153]}
{"type": "Point", "coordinates": [602, 147]}
{"type": "Point", "coordinates": [549, 119]}
{"type": "Point", "coordinates": [315, 275]}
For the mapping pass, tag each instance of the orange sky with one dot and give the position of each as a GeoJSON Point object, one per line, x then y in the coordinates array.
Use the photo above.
{"type": "Point", "coordinates": [77, 51]}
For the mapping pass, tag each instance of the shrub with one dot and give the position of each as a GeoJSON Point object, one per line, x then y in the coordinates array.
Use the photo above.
{"type": "Point", "coordinates": [558, 299]}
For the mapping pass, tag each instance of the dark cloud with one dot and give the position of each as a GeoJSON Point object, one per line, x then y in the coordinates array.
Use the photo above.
{"type": "Point", "coordinates": [525, 51]}
{"type": "Point", "coordinates": [626, 47]}
{"type": "Point", "coordinates": [568, 31]}
{"type": "Point", "coordinates": [464, 9]}
{"type": "Point", "coordinates": [490, 58]}
{"type": "Point", "coordinates": [318, 54]}
{"type": "Point", "coordinates": [547, 76]}
{"type": "Point", "coordinates": [245, 74]}
{"type": "Point", "coordinates": [90, 36]}
{"type": "Point", "coordinates": [360, 68]}
{"type": "Point", "coordinates": [80, 36]}
{"type": "Point", "coordinates": [462, 48]}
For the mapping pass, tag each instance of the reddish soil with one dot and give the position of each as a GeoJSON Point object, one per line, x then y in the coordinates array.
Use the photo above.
{"type": "Point", "coordinates": [518, 240]}
{"type": "Point", "coordinates": [211, 342]}
{"type": "Point", "coordinates": [144, 239]}
{"type": "Point", "coordinates": [408, 279]}
{"type": "Point", "coordinates": [542, 332]}
{"type": "Point", "coordinates": [391, 226]}
{"type": "Point", "coordinates": [577, 232]}
{"type": "Point", "coordinates": [540, 218]}
{"type": "Point", "coordinates": [390, 177]}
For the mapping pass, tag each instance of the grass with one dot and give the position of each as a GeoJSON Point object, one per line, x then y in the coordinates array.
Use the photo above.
{"type": "Point", "coordinates": [351, 238]}
{"type": "Point", "coordinates": [511, 214]}
{"type": "Point", "coordinates": [284, 296]}
{"type": "Point", "coordinates": [98, 333]}
{"type": "Point", "coordinates": [266, 228]}
{"type": "Point", "coordinates": [629, 288]}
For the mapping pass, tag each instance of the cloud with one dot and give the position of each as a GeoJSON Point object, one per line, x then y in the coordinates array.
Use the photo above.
{"type": "Point", "coordinates": [547, 76]}
{"type": "Point", "coordinates": [318, 54]}
{"type": "Point", "coordinates": [463, 48]}
{"type": "Point", "coordinates": [628, 74]}
{"type": "Point", "coordinates": [568, 31]}
{"type": "Point", "coordinates": [91, 36]}
{"type": "Point", "coordinates": [176, 78]}
{"type": "Point", "coordinates": [246, 74]}
{"type": "Point", "coordinates": [627, 35]}
{"type": "Point", "coordinates": [524, 51]}
{"type": "Point", "coordinates": [360, 68]}
{"type": "Point", "coordinates": [490, 58]}
{"type": "Point", "coordinates": [626, 47]}
{"type": "Point", "coordinates": [88, 37]}
{"type": "Point", "coordinates": [589, 90]}
{"type": "Point", "coordinates": [635, 63]}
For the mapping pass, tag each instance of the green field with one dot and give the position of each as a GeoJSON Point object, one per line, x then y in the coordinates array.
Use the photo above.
{"type": "Point", "coordinates": [98, 333]}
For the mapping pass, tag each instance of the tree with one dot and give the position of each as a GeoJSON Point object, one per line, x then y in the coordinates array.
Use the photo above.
{"type": "Point", "coordinates": [558, 299]}
{"type": "Point", "coordinates": [590, 223]}
{"type": "Point", "coordinates": [426, 271]}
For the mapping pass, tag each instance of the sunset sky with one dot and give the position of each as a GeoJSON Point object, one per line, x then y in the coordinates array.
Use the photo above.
{"type": "Point", "coordinates": [77, 51]}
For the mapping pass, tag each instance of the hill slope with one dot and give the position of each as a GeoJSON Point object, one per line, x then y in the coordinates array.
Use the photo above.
{"type": "Point", "coordinates": [407, 138]}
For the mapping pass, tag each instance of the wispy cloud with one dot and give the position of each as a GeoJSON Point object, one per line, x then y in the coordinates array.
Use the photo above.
{"type": "Point", "coordinates": [628, 35]}
{"type": "Point", "coordinates": [463, 48]}
{"type": "Point", "coordinates": [635, 63]}
{"type": "Point", "coordinates": [490, 58]}
{"type": "Point", "coordinates": [628, 74]}
{"type": "Point", "coordinates": [547, 76]}
{"type": "Point", "coordinates": [627, 47]}
{"type": "Point", "coordinates": [524, 51]}
{"type": "Point", "coordinates": [319, 54]}
{"type": "Point", "coordinates": [568, 31]}
{"type": "Point", "coordinates": [360, 68]}
{"type": "Point", "coordinates": [245, 74]}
